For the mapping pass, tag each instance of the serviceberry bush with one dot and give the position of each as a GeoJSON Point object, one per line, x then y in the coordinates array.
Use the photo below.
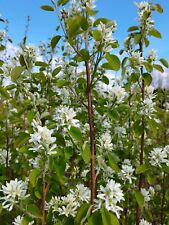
{"type": "Point", "coordinates": [84, 132]}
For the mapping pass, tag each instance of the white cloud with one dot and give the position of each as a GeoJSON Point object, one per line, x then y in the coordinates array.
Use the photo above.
{"type": "Point", "coordinates": [161, 80]}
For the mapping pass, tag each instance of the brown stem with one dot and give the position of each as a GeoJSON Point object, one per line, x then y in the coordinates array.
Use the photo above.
{"type": "Point", "coordinates": [43, 198]}
{"type": "Point", "coordinates": [92, 134]}
{"type": "Point", "coordinates": [142, 140]}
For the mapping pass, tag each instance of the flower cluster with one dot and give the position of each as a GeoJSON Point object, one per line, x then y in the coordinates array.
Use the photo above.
{"type": "Point", "coordinates": [158, 156]}
{"type": "Point", "coordinates": [145, 15]}
{"type": "Point", "coordinates": [68, 205]}
{"type": "Point", "coordinates": [106, 141]}
{"type": "Point", "coordinates": [2, 34]}
{"type": "Point", "coordinates": [136, 59]}
{"type": "Point", "coordinates": [30, 51]}
{"type": "Point", "coordinates": [119, 93]}
{"type": "Point", "coordinates": [19, 221]}
{"type": "Point", "coordinates": [42, 139]}
{"type": "Point", "coordinates": [144, 222]}
{"type": "Point", "coordinates": [106, 31]}
{"type": "Point", "coordinates": [148, 104]}
{"type": "Point", "coordinates": [110, 196]}
{"type": "Point", "coordinates": [126, 173]}
{"type": "Point", "coordinates": [147, 194]}
{"type": "Point", "coordinates": [152, 55]}
{"type": "Point", "coordinates": [14, 191]}
{"type": "Point", "coordinates": [65, 116]}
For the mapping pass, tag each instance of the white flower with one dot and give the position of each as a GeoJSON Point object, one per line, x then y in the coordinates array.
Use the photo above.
{"type": "Point", "coordinates": [143, 6]}
{"type": "Point", "coordinates": [81, 193]}
{"type": "Point", "coordinates": [2, 34]}
{"type": "Point", "coordinates": [105, 141]}
{"type": "Point", "coordinates": [69, 205]}
{"type": "Point", "coordinates": [54, 203]}
{"type": "Point", "coordinates": [110, 196]}
{"type": "Point", "coordinates": [152, 55]}
{"type": "Point", "coordinates": [18, 221]}
{"type": "Point", "coordinates": [30, 51]}
{"type": "Point", "coordinates": [13, 192]}
{"type": "Point", "coordinates": [126, 173]}
{"type": "Point", "coordinates": [144, 15]}
{"type": "Point", "coordinates": [119, 93]}
{"type": "Point", "coordinates": [90, 3]}
{"type": "Point", "coordinates": [147, 107]}
{"type": "Point", "coordinates": [136, 59]}
{"type": "Point", "coordinates": [106, 34]}
{"type": "Point", "coordinates": [43, 138]}
{"type": "Point", "coordinates": [120, 131]}
{"type": "Point", "coordinates": [144, 222]}
{"type": "Point", "coordinates": [66, 116]}
{"type": "Point", "coordinates": [158, 156]}
{"type": "Point", "coordinates": [145, 194]}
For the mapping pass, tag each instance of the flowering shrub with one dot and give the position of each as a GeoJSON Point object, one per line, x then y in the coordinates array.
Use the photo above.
{"type": "Point", "coordinates": [79, 145]}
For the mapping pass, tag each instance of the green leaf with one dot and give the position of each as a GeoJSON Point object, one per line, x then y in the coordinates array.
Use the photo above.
{"type": "Point", "coordinates": [68, 152]}
{"type": "Point", "coordinates": [141, 169]}
{"type": "Point", "coordinates": [158, 8]}
{"type": "Point", "coordinates": [1, 20]}
{"type": "Point", "coordinates": [47, 8]}
{"type": "Point", "coordinates": [113, 163]}
{"type": "Point", "coordinates": [133, 28]}
{"type": "Point", "coordinates": [138, 129]}
{"type": "Point", "coordinates": [55, 40]}
{"type": "Point", "coordinates": [113, 61]}
{"type": "Point", "coordinates": [146, 41]}
{"type": "Point", "coordinates": [81, 213]}
{"type": "Point", "coordinates": [22, 61]}
{"type": "Point", "coordinates": [109, 218]}
{"type": "Point", "coordinates": [58, 166]}
{"type": "Point", "coordinates": [158, 67]}
{"type": "Point", "coordinates": [21, 139]}
{"type": "Point", "coordinates": [16, 72]}
{"type": "Point", "coordinates": [61, 83]}
{"type": "Point", "coordinates": [165, 168]}
{"type": "Point", "coordinates": [95, 219]}
{"type": "Point", "coordinates": [86, 152]}
{"type": "Point", "coordinates": [105, 80]}
{"type": "Point", "coordinates": [31, 116]}
{"type": "Point", "coordinates": [85, 54]}
{"type": "Point", "coordinates": [148, 67]}
{"type": "Point", "coordinates": [147, 78]}
{"type": "Point", "coordinates": [56, 71]}
{"type": "Point", "coordinates": [33, 177]}
{"type": "Point", "coordinates": [97, 35]}
{"type": "Point", "coordinates": [2, 47]}
{"type": "Point", "coordinates": [34, 211]}
{"type": "Point", "coordinates": [139, 198]}
{"type": "Point", "coordinates": [42, 64]}
{"type": "Point", "coordinates": [76, 25]}
{"type": "Point", "coordinates": [134, 77]}
{"type": "Point", "coordinates": [137, 38]}
{"type": "Point", "coordinates": [4, 93]}
{"type": "Point", "coordinates": [62, 2]}
{"type": "Point", "coordinates": [164, 62]}
{"type": "Point", "coordinates": [155, 33]}
{"type": "Point", "coordinates": [75, 133]}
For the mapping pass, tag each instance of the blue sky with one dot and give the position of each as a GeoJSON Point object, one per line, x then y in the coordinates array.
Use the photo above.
{"type": "Point", "coordinates": [42, 25]}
